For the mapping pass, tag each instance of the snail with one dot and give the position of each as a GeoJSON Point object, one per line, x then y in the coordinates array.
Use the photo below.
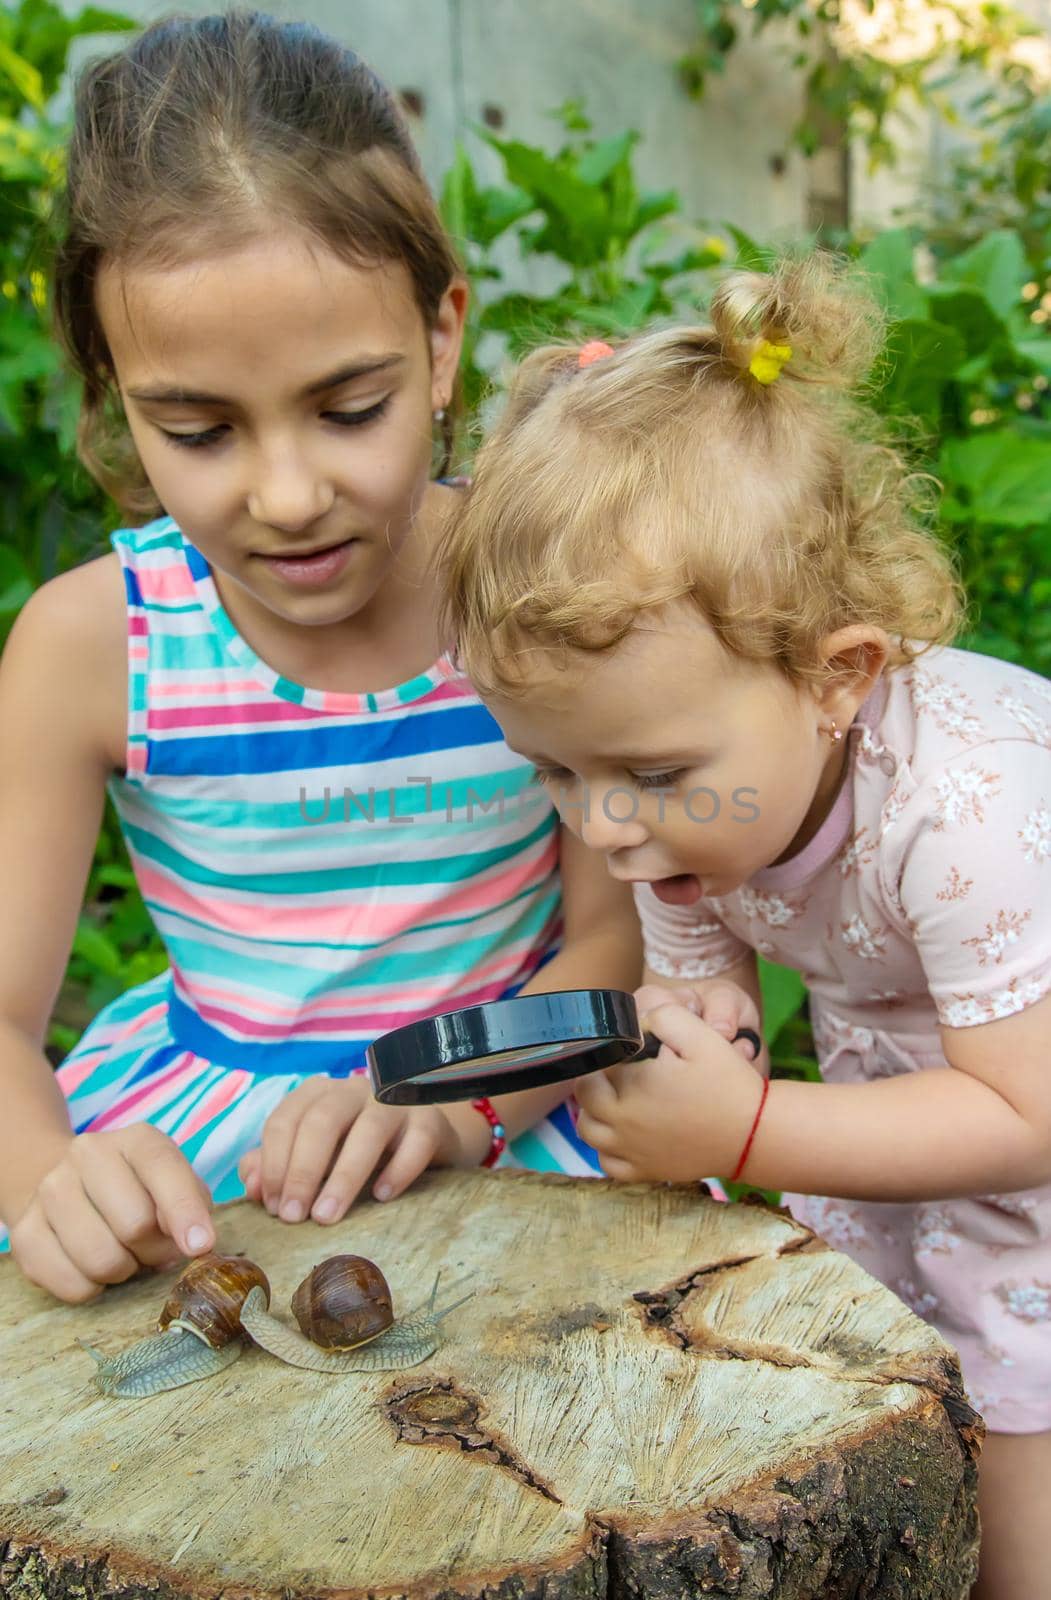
{"type": "Point", "coordinates": [201, 1330]}
{"type": "Point", "coordinates": [344, 1309]}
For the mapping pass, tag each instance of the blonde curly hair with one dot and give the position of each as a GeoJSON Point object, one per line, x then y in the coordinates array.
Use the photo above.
{"type": "Point", "coordinates": [669, 471]}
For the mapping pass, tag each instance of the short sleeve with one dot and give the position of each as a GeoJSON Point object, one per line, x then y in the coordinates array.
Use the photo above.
{"type": "Point", "coordinates": [973, 881]}
{"type": "Point", "coordinates": [686, 941]}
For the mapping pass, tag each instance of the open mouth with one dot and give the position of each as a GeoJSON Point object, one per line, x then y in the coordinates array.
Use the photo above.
{"type": "Point", "coordinates": [682, 889]}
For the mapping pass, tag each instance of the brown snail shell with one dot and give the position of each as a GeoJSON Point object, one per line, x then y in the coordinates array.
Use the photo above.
{"type": "Point", "coordinates": [207, 1297]}
{"type": "Point", "coordinates": [343, 1302]}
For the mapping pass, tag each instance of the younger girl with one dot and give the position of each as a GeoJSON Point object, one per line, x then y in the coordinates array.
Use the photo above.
{"type": "Point", "coordinates": [257, 294]}
{"type": "Point", "coordinates": [691, 588]}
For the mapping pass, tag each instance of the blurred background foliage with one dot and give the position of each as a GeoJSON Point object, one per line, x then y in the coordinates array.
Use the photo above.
{"type": "Point", "coordinates": [967, 288]}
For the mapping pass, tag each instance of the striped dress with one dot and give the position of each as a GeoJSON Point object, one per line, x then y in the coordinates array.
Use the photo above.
{"type": "Point", "coordinates": [321, 868]}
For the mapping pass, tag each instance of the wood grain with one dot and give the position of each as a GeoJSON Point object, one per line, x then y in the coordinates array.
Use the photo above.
{"type": "Point", "coordinates": [651, 1393]}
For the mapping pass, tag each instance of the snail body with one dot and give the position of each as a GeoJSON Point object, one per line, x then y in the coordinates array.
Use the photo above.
{"type": "Point", "coordinates": [345, 1305]}
{"type": "Point", "coordinates": [201, 1330]}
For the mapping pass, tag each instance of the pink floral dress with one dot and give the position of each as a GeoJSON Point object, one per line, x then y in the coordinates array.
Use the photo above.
{"type": "Point", "coordinates": [924, 899]}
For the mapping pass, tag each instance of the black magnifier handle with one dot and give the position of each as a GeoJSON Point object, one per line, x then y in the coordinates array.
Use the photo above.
{"type": "Point", "coordinates": [651, 1044]}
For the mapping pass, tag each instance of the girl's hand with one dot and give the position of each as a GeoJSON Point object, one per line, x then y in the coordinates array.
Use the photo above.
{"type": "Point", "coordinates": [115, 1202]}
{"type": "Point", "coordinates": [678, 1117]}
{"type": "Point", "coordinates": [324, 1141]}
{"type": "Point", "coordinates": [722, 1004]}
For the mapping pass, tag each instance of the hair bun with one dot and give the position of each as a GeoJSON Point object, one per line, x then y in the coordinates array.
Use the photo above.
{"type": "Point", "coordinates": [808, 315]}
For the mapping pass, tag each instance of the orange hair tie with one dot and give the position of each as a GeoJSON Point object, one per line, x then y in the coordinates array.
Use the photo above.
{"type": "Point", "coordinates": [594, 350]}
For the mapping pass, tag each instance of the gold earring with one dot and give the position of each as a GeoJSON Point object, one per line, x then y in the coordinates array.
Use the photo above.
{"type": "Point", "coordinates": [834, 733]}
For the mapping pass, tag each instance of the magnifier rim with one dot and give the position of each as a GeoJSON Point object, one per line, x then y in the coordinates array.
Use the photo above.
{"type": "Point", "coordinates": [604, 1019]}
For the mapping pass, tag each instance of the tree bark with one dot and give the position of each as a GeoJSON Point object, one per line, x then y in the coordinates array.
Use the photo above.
{"type": "Point", "coordinates": [650, 1394]}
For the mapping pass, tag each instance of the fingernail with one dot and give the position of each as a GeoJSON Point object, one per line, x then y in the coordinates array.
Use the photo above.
{"type": "Point", "coordinates": [325, 1210]}
{"type": "Point", "coordinates": [382, 1191]}
{"type": "Point", "coordinates": [292, 1211]}
{"type": "Point", "coordinates": [198, 1239]}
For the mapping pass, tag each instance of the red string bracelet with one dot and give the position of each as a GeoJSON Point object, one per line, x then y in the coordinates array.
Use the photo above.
{"type": "Point", "coordinates": [748, 1142]}
{"type": "Point", "coordinates": [498, 1141]}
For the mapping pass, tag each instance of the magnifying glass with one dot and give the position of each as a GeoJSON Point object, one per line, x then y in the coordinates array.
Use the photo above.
{"type": "Point", "coordinates": [506, 1045]}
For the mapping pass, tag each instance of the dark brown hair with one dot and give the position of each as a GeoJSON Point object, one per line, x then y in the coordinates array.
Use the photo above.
{"type": "Point", "coordinates": [194, 139]}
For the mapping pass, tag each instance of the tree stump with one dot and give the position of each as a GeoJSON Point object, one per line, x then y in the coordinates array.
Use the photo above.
{"type": "Point", "coordinates": [650, 1394]}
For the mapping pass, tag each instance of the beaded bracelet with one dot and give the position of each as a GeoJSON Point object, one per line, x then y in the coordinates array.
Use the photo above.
{"type": "Point", "coordinates": [498, 1141]}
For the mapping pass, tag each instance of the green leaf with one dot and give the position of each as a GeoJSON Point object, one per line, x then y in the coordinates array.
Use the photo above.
{"type": "Point", "coordinates": [98, 951]}
{"type": "Point", "coordinates": [92, 19]}
{"type": "Point", "coordinates": [627, 311]}
{"type": "Point", "coordinates": [116, 877]}
{"type": "Point", "coordinates": [753, 257]}
{"type": "Point", "coordinates": [888, 260]}
{"type": "Point", "coordinates": [23, 75]}
{"type": "Point", "coordinates": [996, 266]}
{"type": "Point", "coordinates": [600, 161]}
{"type": "Point", "coordinates": [969, 312]}
{"type": "Point", "coordinates": [654, 206]}
{"type": "Point", "coordinates": [458, 193]}
{"type": "Point", "coordinates": [15, 583]}
{"type": "Point", "coordinates": [1003, 478]}
{"type": "Point", "coordinates": [1037, 351]}
{"type": "Point", "coordinates": [783, 992]}
{"type": "Point", "coordinates": [921, 357]}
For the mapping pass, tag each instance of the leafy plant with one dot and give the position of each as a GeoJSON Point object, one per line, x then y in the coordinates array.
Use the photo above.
{"type": "Point", "coordinates": [967, 358]}
{"type": "Point", "coordinates": [624, 257]}
{"type": "Point", "coordinates": [968, 369]}
{"type": "Point", "coordinates": [51, 513]}
{"type": "Point", "coordinates": [861, 61]}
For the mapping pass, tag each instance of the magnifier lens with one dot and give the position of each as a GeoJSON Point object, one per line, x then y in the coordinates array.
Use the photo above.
{"type": "Point", "coordinates": [504, 1045]}
{"type": "Point", "coordinates": [501, 1061]}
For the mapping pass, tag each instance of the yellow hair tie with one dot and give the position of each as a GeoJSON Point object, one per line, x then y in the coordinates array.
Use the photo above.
{"type": "Point", "coordinates": [765, 366]}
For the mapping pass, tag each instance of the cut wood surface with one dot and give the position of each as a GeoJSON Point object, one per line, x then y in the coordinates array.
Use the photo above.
{"type": "Point", "coordinates": [650, 1394]}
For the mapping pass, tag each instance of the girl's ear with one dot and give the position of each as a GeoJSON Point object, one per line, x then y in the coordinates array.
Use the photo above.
{"type": "Point", "coordinates": [446, 342]}
{"type": "Point", "coordinates": [852, 659]}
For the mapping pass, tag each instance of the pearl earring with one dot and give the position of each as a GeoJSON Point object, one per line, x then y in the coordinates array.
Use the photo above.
{"type": "Point", "coordinates": [439, 415]}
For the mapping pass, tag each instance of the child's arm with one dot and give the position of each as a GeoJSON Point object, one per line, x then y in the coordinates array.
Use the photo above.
{"type": "Point", "coordinates": [979, 1126]}
{"type": "Point", "coordinates": [79, 1213]}
{"type": "Point", "coordinates": [321, 1145]}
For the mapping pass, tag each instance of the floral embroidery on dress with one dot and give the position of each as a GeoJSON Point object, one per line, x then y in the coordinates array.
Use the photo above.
{"type": "Point", "coordinates": [997, 1353]}
{"type": "Point", "coordinates": [933, 1232]}
{"type": "Point", "coordinates": [920, 1303]}
{"type": "Point", "coordinates": [1016, 1205]}
{"type": "Point", "coordinates": [999, 936]}
{"type": "Point", "coordinates": [965, 1009]}
{"type": "Point", "coordinates": [836, 1221]}
{"type": "Point", "coordinates": [773, 909]}
{"type": "Point", "coordinates": [858, 853]}
{"type": "Point", "coordinates": [861, 940]}
{"type": "Point", "coordinates": [890, 998]}
{"type": "Point", "coordinates": [1025, 716]}
{"type": "Point", "coordinates": [956, 888]}
{"type": "Point", "coordinates": [1029, 1302]}
{"type": "Point", "coordinates": [953, 712]}
{"type": "Point", "coordinates": [830, 1032]}
{"type": "Point", "coordinates": [893, 807]}
{"type": "Point", "coordinates": [960, 795]}
{"type": "Point", "coordinates": [686, 966]}
{"type": "Point", "coordinates": [1036, 835]}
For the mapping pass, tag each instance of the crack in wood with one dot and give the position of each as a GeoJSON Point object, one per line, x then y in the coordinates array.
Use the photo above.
{"type": "Point", "coordinates": [441, 1413]}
